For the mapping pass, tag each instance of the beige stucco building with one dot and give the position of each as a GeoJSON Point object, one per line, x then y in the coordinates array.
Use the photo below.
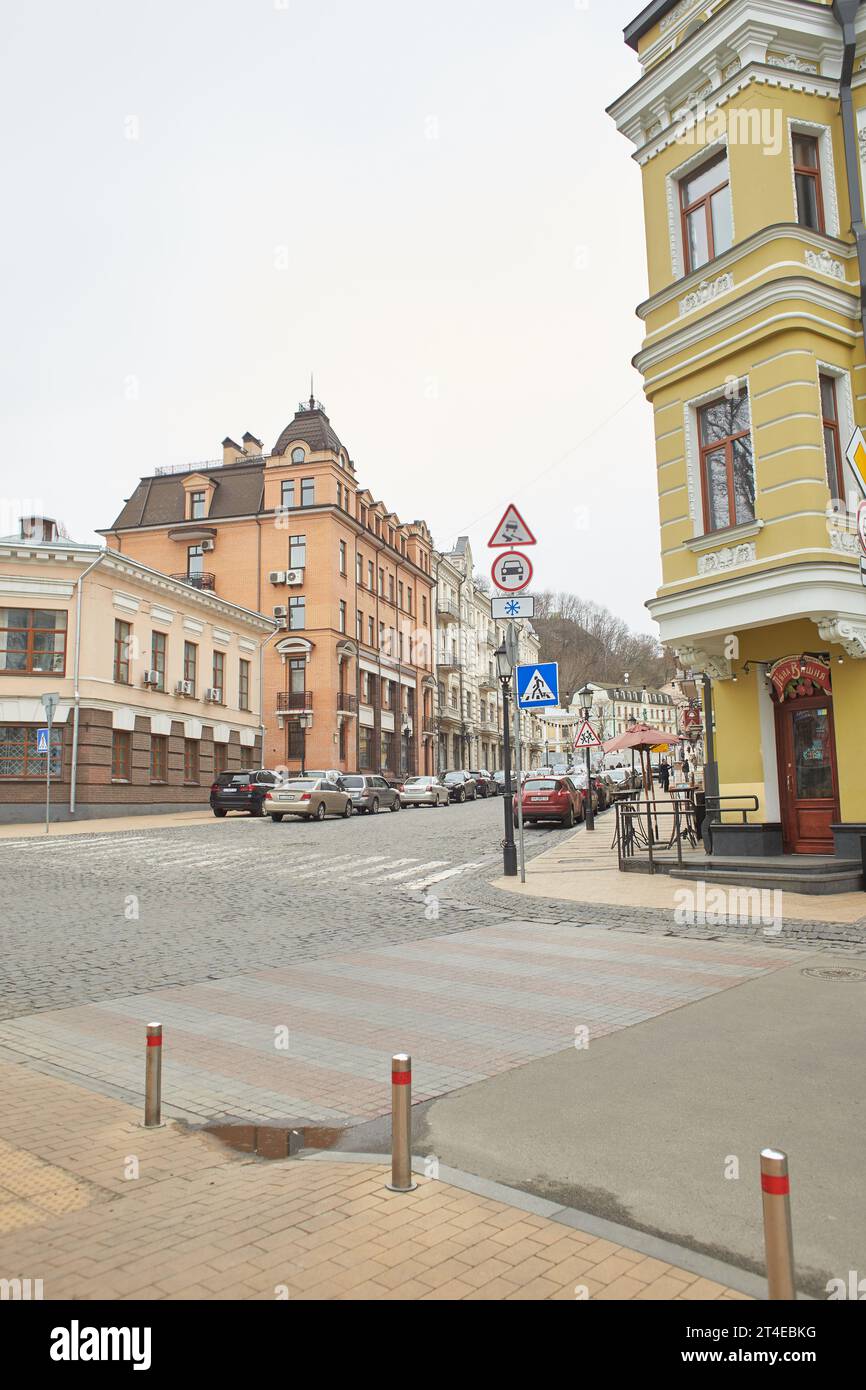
{"type": "Point", "coordinates": [158, 683]}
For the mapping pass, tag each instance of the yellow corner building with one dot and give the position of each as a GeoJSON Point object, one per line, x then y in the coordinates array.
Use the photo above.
{"type": "Point", "coordinates": [748, 121]}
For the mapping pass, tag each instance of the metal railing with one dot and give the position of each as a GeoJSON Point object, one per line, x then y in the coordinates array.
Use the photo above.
{"type": "Point", "coordinates": [294, 701]}
{"type": "Point", "coordinates": [197, 581]}
{"type": "Point", "coordinates": [637, 824]}
{"type": "Point", "coordinates": [347, 702]}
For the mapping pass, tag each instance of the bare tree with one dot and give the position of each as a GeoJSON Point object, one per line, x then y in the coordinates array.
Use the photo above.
{"type": "Point", "coordinates": [591, 643]}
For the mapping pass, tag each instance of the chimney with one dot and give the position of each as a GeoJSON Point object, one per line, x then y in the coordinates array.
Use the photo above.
{"type": "Point", "coordinates": [231, 451]}
{"type": "Point", "coordinates": [252, 446]}
{"type": "Point", "coordinates": [38, 529]}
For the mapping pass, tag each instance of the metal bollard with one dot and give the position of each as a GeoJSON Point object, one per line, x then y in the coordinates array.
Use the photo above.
{"type": "Point", "coordinates": [153, 1077]}
{"type": "Point", "coordinates": [401, 1124]}
{"type": "Point", "coordinates": [778, 1240]}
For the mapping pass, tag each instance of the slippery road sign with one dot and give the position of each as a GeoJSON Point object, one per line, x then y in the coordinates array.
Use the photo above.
{"type": "Point", "coordinates": [512, 530]}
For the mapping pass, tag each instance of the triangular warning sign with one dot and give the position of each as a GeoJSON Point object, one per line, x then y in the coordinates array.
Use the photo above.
{"type": "Point", "coordinates": [512, 530]}
{"type": "Point", "coordinates": [537, 688]}
{"type": "Point", "coordinates": [586, 737]}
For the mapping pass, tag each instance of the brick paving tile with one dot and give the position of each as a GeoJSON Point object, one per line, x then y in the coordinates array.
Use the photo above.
{"type": "Point", "coordinates": [212, 1223]}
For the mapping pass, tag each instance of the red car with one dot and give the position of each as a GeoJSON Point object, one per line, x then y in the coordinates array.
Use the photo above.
{"type": "Point", "coordinates": [551, 798]}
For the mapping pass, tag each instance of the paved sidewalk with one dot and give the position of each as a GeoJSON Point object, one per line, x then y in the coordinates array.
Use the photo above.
{"type": "Point", "coordinates": [200, 1222]}
{"type": "Point", "coordinates": [60, 829]}
{"type": "Point", "coordinates": [583, 869]}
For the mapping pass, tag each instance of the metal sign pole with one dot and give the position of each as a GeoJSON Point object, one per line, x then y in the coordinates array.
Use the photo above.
{"type": "Point", "coordinates": [518, 769]}
{"type": "Point", "coordinates": [48, 777]}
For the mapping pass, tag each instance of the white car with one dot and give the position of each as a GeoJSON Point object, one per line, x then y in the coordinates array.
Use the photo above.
{"type": "Point", "coordinates": [424, 791]}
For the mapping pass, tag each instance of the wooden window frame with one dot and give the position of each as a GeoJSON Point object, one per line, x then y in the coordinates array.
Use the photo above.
{"type": "Point", "coordinates": [190, 663]}
{"type": "Point", "coordinates": [121, 660]}
{"type": "Point", "coordinates": [31, 630]}
{"type": "Point", "coordinates": [158, 656]}
{"type": "Point", "coordinates": [244, 685]}
{"type": "Point", "coordinates": [121, 755]}
{"type": "Point", "coordinates": [159, 759]}
{"type": "Point", "coordinates": [813, 173]}
{"type": "Point", "coordinates": [728, 444]}
{"type": "Point", "coordinates": [194, 498]}
{"type": "Point", "coordinates": [218, 666]}
{"type": "Point", "coordinates": [706, 200]}
{"type": "Point", "coordinates": [833, 426]}
{"type": "Point", "coordinates": [191, 764]}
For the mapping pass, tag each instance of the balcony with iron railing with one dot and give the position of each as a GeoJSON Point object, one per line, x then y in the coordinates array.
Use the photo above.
{"type": "Point", "coordinates": [347, 702]}
{"type": "Point", "coordinates": [450, 661]}
{"type": "Point", "coordinates": [294, 701]}
{"type": "Point", "coordinates": [197, 581]}
{"type": "Point", "coordinates": [447, 610]}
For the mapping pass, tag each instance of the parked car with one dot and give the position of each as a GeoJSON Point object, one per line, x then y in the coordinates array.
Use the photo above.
{"type": "Point", "coordinates": [578, 778]}
{"type": "Point", "coordinates": [330, 774]}
{"type": "Point", "coordinates": [484, 782]}
{"type": "Point", "coordinates": [371, 793]}
{"type": "Point", "coordinates": [310, 797]}
{"type": "Point", "coordinates": [461, 786]}
{"type": "Point", "coordinates": [602, 791]}
{"type": "Point", "coordinates": [620, 778]}
{"type": "Point", "coordinates": [499, 782]}
{"type": "Point", "coordinates": [424, 791]}
{"type": "Point", "coordinates": [551, 798]}
{"type": "Point", "coordinates": [241, 791]}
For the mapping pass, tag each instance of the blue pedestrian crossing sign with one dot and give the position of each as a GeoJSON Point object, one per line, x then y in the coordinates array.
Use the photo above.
{"type": "Point", "coordinates": [41, 740]}
{"type": "Point", "coordinates": [538, 686]}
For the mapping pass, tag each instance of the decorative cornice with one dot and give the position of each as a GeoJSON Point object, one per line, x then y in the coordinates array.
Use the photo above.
{"type": "Point", "coordinates": [851, 636]}
{"type": "Point", "coordinates": [730, 558]}
{"type": "Point", "coordinates": [791, 60]}
{"type": "Point", "coordinates": [824, 263]}
{"type": "Point", "coordinates": [718, 668]}
{"type": "Point", "coordinates": [706, 291]}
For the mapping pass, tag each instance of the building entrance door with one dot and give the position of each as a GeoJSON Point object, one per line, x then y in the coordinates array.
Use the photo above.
{"type": "Point", "coordinates": [808, 784]}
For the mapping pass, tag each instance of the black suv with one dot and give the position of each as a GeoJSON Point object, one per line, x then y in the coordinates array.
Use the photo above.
{"type": "Point", "coordinates": [241, 791]}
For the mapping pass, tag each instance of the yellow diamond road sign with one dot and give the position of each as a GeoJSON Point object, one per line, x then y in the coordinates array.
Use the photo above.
{"type": "Point", "coordinates": [856, 456]}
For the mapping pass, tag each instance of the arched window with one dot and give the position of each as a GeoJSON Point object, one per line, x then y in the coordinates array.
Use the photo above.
{"type": "Point", "coordinates": [298, 455]}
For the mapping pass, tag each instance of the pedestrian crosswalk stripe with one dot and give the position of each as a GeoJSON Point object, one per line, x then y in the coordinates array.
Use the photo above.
{"type": "Point", "coordinates": [377, 868]}
{"type": "Point", "coordinates": [437, 878]}
{"type": "Point", "coordinates": [407, 873]}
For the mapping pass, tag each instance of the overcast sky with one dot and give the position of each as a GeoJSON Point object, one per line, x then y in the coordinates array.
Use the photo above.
{"type": "Point", "coordinates": [424, 204]}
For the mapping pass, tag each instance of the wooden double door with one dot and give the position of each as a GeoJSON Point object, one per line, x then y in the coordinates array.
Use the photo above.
{"type": "Point", "coordinates": [808, 780]}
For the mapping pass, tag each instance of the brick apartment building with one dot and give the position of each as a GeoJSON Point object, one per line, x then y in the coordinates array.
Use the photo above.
{"type": "Point", "coordinates": [349, 682]}
{"type": "Point", "coordinates": [158, 682]}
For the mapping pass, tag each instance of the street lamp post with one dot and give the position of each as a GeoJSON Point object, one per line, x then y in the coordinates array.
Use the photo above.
{"type": "Point", "coordinates": [306, 722]}
{"type": "Point", "coordinates": [509, 848]}
{"type": "Point", "coordinates": [586, 698]}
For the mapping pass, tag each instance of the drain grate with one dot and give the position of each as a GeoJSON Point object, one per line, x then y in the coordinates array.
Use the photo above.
{"type": "Point", "coordinates": [842, 973]}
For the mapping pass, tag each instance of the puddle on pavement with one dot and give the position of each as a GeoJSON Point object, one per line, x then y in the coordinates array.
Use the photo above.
{"type": "Point", "coordinates": [275, 1141]}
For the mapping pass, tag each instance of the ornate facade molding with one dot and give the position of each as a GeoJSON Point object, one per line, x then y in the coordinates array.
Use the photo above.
{"type": "Point", "coordinates": [790, 60]}
{"type": "Point", "coordinates": [825, 264]}
{"type": "Point", "coordinates": [718, 668]}
{"type": "Point", "coordinates": [851, 636]}
{"type": "Point", "coordinates": [713, 561]}
{"type": "Point", "coordinates": [673, 17]}
{"type": "Point", "coordinates": [846, 542]}
{"type": "Point", "coordinates": [706, 291]}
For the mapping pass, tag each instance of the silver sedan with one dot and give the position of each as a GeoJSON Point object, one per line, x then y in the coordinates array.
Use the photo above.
{"type": "Point", "coordinates": [424, 791]}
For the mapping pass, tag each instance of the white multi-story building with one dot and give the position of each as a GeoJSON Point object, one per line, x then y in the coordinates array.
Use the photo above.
{"type": "Point", "coordinates": [469, 696]}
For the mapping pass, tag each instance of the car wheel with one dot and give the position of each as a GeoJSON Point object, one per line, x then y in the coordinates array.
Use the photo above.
{"type": "Point", "coordinates": [320, 811]}
{"type": "Point", "coordinates": [276, 818]}
{"type": "Point", "coordinates": [461, 795]}
{"type": "Point", "coordinates": [218, 811]}
{"type": "Point", "coordinates": [568, 821]}
{"type": "Point", "coordinates": [374, 809]}
{"type": "Point", "coordinates": [348, 810]}
{"type": "Point", "coordinates": [396, 804]}
{"type": "Point", "coordinates": [257, 811]}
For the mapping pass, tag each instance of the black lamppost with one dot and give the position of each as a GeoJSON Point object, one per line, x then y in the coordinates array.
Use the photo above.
{"type": "Point", "coordinates": [586, 709]}
{"type": "Point", "coordinates": [306, 722]}
{"type": "Point", "coordinates": [509, 848]}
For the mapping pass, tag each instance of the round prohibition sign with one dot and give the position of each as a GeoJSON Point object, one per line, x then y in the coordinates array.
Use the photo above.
{"type": "Point", "coordinates": [512, 571]}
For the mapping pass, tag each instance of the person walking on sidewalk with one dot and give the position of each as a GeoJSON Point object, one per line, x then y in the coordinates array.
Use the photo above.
{"type": "Point", "coordinates": [664, 774]}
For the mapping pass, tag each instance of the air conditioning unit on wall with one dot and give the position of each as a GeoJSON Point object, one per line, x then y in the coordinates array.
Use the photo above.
{"type": "Point", "coordinates": [184, 688]}
{"type": "Point", "coordinates": [214, 695]}
{"type": "Point", "coordinates": [151, 678]}
{"type": "Point", "coordinates": [294, 576]}
{"type": "Point", "coordinates": [207, 546]}
{"type": "Point", "coordinates": [281, 611]}
{"type": "Point", "coordinates": [277, 576]}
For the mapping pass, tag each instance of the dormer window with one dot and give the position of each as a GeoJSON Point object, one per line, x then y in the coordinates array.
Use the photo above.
{"type": "Point", "coordinates": [197, 506]}
{"type": "Point", "coordinates": [298, 455]}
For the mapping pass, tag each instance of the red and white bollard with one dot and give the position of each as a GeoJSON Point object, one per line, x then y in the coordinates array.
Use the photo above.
{"type": "Point", "coordinates": [153, 1077]}
{"type": "Point", "coordinates": [401, 1124]}
{"type": "Point", "coordinates": [778, 1237]}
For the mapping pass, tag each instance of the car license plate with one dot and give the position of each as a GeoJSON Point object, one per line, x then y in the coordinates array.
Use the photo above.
{"type": "Point", "coordinates": [538, 798]}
